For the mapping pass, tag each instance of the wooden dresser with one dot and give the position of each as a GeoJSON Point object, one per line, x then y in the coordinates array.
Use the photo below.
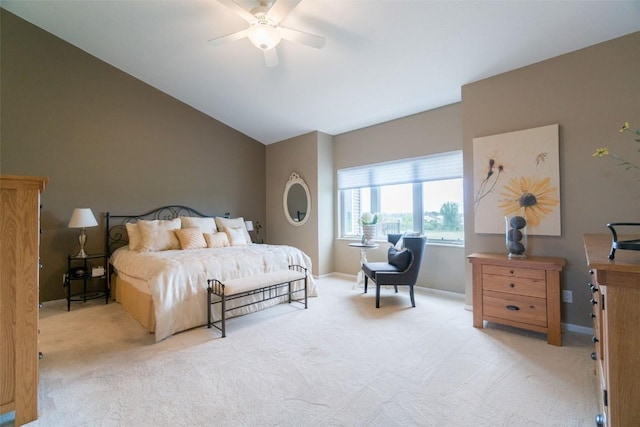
{"type": "Point", "coordinates": [19, 300]}
{"type": "Point", "coordinates": [615, 287]}
{"type": "Point", "coordinates": [520, 292]}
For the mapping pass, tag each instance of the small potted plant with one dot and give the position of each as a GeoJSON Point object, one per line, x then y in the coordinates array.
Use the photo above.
{"type": "Point", "coordinates": [368, 221]}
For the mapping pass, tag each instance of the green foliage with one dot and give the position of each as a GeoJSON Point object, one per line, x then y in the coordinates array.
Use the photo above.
{"type": "Point", "coordinates": [450, 217]}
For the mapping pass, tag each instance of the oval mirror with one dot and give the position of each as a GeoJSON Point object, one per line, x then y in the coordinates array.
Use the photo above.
{"type": "Point", "coordinates": [296, 201]}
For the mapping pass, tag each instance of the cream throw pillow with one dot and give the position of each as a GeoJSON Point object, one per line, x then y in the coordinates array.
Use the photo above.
{"type": "Point", "coordinates": [216, 240]}
{"type": "Point", "coordinates": [236, 236]}
{"type": "Point", "coordinates": [233, 223]}
{"type": "Point", "coordinates": [134, 236]}
{"type": "Point", "coordinates": [191, 238]}
{"type": "Point", "coordinates": [207, 225]}
{"type": "Point", "coordinates": [159, 235]}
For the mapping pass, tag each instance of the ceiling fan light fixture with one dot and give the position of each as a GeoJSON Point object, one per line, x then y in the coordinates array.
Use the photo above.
{"type": "Point", "coordinates": [264, 35]}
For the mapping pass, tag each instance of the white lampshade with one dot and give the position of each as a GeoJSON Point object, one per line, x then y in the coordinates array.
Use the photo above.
{"type": "Point", "coordinates": [264, 35]}
{"type": "Point", "coordinates": [249, 225]}
{"type": "Point", "coordinates": [82, 218]}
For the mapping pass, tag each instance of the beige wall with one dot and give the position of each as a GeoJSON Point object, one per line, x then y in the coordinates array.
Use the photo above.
{"type": "Point", "coordinates": [589, 93]}
{"type": "Point", "coordinates": [431, 132]}
{"type": "Point", "coordinates": [326, 202]}
{"type": "Point", "coordinates": [310, 156]}
{"type": "Point", "coordinates": [109, 142]}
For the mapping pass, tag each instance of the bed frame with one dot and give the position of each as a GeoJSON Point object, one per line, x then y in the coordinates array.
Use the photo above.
{"type": "Point", "coordinates": [138, 304]}
{"type": "Point", "coordinates": [116, 230]}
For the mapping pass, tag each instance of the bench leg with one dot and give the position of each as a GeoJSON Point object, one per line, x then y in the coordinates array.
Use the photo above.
{"type": "Point", "coordinates": [224, 314]}
{"type": "Point", "coordinates": [209, 292]}
{"type": "Point", "coordinates": [305, 292]}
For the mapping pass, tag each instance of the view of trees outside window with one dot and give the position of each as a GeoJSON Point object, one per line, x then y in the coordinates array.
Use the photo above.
{"type": "Point", "coordinates": [438, 205]}
{"type": "Point", "coordinates": [443, 210]}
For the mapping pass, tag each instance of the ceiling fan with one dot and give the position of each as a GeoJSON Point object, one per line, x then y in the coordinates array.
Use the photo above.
{"type": "Point", "coordinates": [265, 31]}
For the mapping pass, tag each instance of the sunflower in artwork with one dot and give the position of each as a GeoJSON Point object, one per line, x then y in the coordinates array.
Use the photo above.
{"type": "Point", "coordinates": [536, 196]}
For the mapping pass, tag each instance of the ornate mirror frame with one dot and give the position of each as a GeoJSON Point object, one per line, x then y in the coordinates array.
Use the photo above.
{"type": "Point", "coordinates": [294, 180]}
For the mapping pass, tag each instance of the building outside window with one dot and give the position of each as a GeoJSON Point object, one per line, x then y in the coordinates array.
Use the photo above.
{"type": "Point", "coordinates": [422, 194]}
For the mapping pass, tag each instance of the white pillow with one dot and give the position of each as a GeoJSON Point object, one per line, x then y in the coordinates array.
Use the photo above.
{"type": "Point", "coordinates": [134, 236]}
{"type": "Point", "coordinates": [400, 243]}
{"type": "Point", "coordinates": [216, 240]}
{"type": "Point", "coordinates": [191, 238]}
{"type": "Point", "coordinates": [236, 236]}
{"type": "Point", "coordinates": [159, 235]}
{"type": "Point", "coordinates": [207, 225]}
{"type": "Point", "coordinates": [233, 223]}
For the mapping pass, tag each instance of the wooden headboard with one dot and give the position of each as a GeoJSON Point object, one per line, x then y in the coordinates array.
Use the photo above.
{"type": "Point", "coordinates": [116, 230]}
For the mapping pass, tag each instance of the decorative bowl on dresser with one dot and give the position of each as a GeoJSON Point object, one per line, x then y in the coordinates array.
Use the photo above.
{"type": "Point", "coordinates": [615, 288]}
{"type": "Point", "coordinates": [519, 292]}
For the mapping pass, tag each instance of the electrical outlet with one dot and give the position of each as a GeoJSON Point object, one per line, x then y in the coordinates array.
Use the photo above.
{"type": "Point", "coordinates": [567, 296]}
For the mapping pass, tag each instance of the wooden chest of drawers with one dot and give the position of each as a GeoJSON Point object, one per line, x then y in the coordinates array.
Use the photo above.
{"type": "Point", "coordinates": [520, 292]}
{"type": "Point", "coordinates": [19, 290]}
{"type": "Point", "coordinates": [615, 288]}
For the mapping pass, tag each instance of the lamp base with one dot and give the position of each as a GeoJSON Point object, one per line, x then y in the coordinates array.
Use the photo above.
{"type": "Point", "coordinates": [81, 254]}
{"type": "Point", "coordinates": [82, 239]}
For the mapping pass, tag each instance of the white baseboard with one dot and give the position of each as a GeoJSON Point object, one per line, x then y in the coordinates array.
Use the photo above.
{"type": "Point", "coordinates": [423, 290]}
{"type": "Point", "coordinates": [584, 330]}
{"type": "Point", "coordinates": [344, 276]}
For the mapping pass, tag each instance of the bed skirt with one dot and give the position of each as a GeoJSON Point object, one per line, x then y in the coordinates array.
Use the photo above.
{"type": "Point", "coordinates": [135, 302]}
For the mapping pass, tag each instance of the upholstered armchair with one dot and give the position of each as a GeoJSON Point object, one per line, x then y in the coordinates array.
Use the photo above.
{"type": "Point", "coordinates": [402, 266]}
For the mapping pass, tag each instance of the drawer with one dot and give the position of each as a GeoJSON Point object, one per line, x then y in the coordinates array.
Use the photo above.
{"type": "Point", "coordinates": [514, 271]}
{"type": "Point", "coordinates": [533, 287]}
{"type": "Point", "coordinates": [515, 308]}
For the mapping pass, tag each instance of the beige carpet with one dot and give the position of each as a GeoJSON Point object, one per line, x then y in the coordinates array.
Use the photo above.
{"type": "Point", "coordinates": [339, 363]}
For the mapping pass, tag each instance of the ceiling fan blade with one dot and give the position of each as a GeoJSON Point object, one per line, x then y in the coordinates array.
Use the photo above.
{"type": "Point", "coordinates": [244, 14]}
{"type": "Point", "coordinates": [228, 38]}
{"type": "Point", "coordinates": [302, 37]}
{"type": "Point", "coordinates": [271, 57]}
{"type": "Point", "coordinates": [281, 9]}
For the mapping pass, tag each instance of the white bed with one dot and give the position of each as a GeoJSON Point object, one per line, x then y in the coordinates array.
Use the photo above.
{"type": "Point", "coordinates": [166, 290]}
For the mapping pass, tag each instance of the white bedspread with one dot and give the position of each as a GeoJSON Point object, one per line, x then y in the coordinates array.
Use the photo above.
{"type": "Point", "coordinates": [177, 279]}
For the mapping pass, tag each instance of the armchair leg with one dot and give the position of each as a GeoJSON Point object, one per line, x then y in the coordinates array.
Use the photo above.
{"type": "Point", "coordinates": [413, 300]}
{"type": "Point", "coordinates": [377, 296]}
{"type": "Point", "coordinates": [366, 278]}
{"type": "Point", "coordinates": [396, 288]}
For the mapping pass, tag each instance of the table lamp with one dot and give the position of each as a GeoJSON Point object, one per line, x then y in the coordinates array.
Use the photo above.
{"type": "Point", "coordinates": [82, 218]}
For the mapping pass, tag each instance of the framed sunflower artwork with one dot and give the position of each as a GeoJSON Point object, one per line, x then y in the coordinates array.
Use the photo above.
{"type": "Point", "coordinates": [518, 173]}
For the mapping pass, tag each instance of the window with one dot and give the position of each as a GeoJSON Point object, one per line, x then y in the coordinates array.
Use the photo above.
{"type": "Point", "coordinates": [422, 194]}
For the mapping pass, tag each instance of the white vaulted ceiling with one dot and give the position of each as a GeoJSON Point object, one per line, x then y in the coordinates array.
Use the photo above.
{"type": "Point", "coordinates": [382, 59]}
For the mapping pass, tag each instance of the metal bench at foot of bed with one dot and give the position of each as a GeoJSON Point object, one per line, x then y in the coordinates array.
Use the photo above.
{"type": "Point", "coordinates": [266, 285]}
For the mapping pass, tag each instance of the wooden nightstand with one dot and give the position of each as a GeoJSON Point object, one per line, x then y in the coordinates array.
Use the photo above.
{"type": "Point", "coordinates": [520, 292]}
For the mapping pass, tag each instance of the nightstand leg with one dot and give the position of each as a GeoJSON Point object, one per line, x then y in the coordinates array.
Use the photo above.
{"type": "Point", "coordinates": [68, 295]}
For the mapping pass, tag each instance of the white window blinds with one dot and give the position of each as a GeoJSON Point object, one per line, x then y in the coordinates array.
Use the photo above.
{"type": "Point", "coordinates": [418, 169]}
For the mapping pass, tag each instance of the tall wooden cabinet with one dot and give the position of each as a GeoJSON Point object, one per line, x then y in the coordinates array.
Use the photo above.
{"type": "Point", "coordinates": [19, 301]}
{"type": "Point", "coordinates": [615, 288]}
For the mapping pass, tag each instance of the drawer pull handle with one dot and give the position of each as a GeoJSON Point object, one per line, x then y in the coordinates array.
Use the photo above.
{"type": "Point", "coordinates": [593, 302]}
{"type": "Point", "coordinates": [512, 285]}
{"type": "Point", "coordinates": [513, 307]}
{"type": "Point", "coordinates": [594, 356]}
{"type": "Point", "coordinates": [510, 271]}
{"type": "Point", "coordinates": [595, 340]}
